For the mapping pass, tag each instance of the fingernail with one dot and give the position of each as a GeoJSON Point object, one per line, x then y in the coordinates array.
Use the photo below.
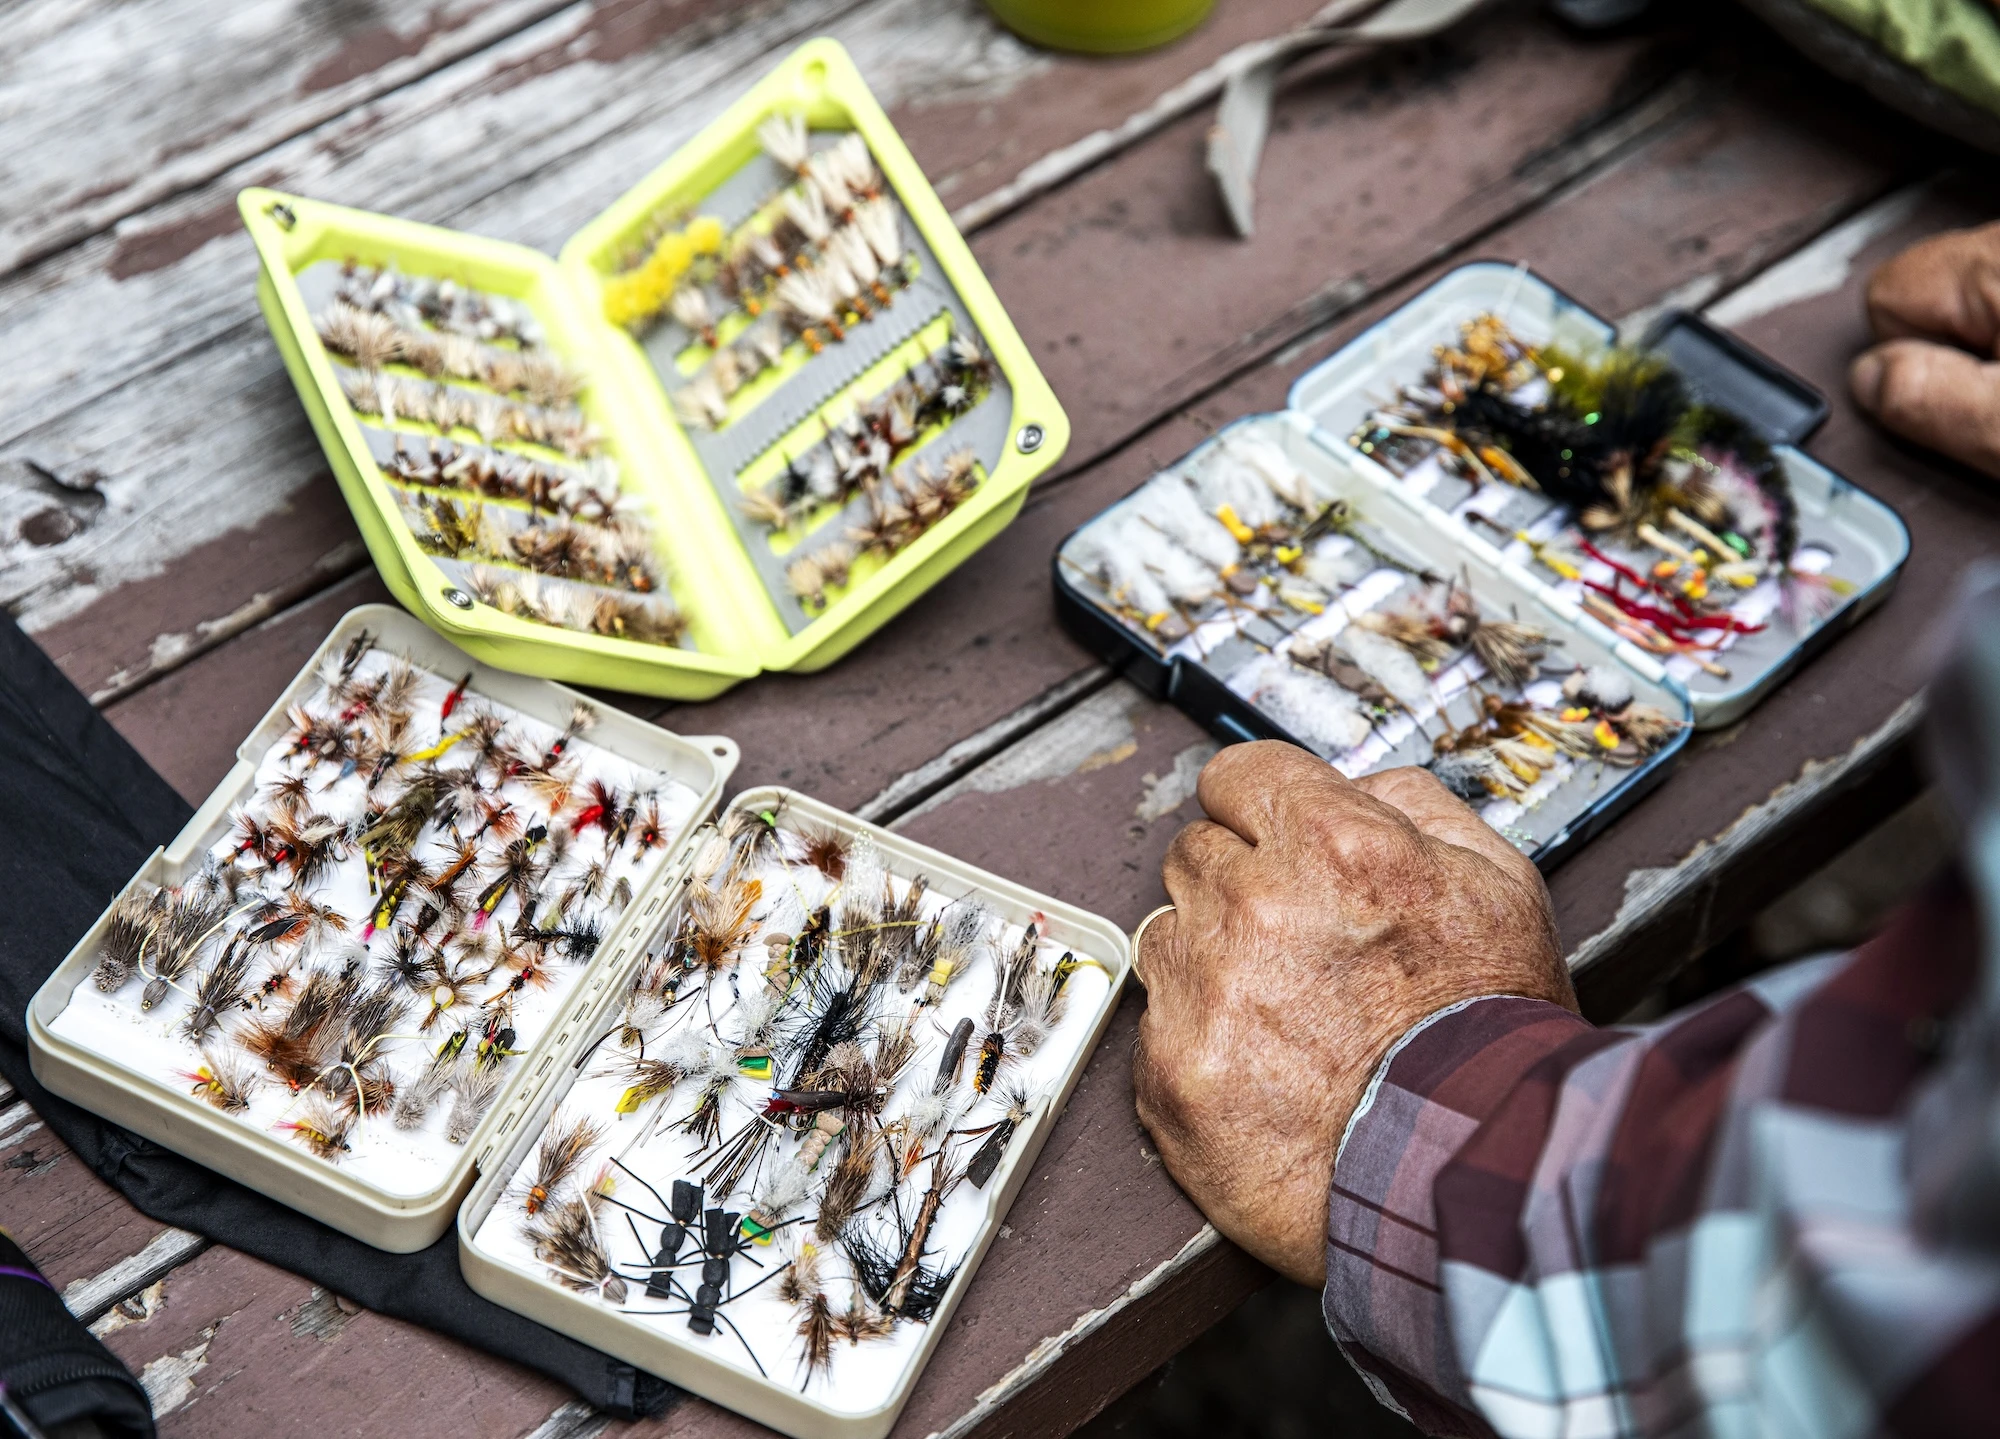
{"type": "Point", "coordinates": [1864, 378]}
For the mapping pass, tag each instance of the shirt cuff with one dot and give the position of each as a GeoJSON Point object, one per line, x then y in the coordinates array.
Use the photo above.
{"type": "Point", "coordinates": [1430, 1093]}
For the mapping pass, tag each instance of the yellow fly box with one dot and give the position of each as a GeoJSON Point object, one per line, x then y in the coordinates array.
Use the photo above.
{"type": "Point", "coordinates": [758, 406]}
{"type": "Point", "coordinates": [455, 948]}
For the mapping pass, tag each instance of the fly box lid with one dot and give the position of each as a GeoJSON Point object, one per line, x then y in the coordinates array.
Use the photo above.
{"type": "Point", "coordinates": [449, 941]}
{"type": "Point", "coordinates": [1356, 575]}
{"type": "Point", "coordinates": [753, 410]}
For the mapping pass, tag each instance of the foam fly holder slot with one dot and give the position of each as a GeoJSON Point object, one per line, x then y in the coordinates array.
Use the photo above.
{"type": "Point", "coordinates": [723, 578]}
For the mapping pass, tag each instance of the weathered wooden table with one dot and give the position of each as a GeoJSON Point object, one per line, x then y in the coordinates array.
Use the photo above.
{"type": "Point", "coordinates": [172, 536]}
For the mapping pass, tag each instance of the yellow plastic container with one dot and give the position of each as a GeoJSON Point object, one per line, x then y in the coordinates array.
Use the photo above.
{"type": "Point", "coordinates": [1101, 26]}
{"type": "Point", "coordinates": [737, 624]}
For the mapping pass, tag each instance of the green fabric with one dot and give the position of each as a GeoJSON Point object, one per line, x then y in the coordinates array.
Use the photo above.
{"type": "Point", "coordinates": [1953, 43]}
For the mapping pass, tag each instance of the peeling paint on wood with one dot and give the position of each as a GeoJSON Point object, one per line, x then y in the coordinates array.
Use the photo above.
{"type": "Point", "coordinates": [74, 1226]}
{"type": "Point", "coordinates": [1045, 1354]}
{"type": "Point", "coordinates": [169, 1380]}
{"type": "Point", "coordinates": [170, 650]}
{"type": "Point", "coordinates": [1167, 793]}
{"type": "Point", "coordinates": [321, 1317]}
{"type": "Point", "coordinates": [268, 1374]}
{"type": "Point", "coordinates": [17, 1121]}
{"type": "Point", "coordinates": [113, 108]}
{"type": "Point", "coordinates": [165, 1252]}
{"type": "Point", "coordinates": [926, 779]}
{"type": "Point", "coordinates": [1089, 736]}
{"type": "Point", "coordinates": [574, 1420]}
{"type": "Point", "coordinates": [1821, 267]}
{"type": "Point", "coordinates": [136, 1309]}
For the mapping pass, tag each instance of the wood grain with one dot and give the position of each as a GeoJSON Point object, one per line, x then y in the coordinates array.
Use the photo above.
{"type": "Point", "coordinates": [520, 141]}
{"type": "Point", "coordinates": [114, 108]}
{"type": "Point", "coordinates": [231, 1345]}
{"type": "Point", "coordinates": [69, 1221]}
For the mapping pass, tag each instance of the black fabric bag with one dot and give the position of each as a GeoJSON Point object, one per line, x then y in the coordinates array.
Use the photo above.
{"type": "Point", "coordinates": [82, 811]}
{"type": "Point", "coordinates": [56, 1370]}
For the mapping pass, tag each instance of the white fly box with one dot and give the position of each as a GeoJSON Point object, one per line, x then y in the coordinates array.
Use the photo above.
{"type": "Point", "coordinates": [453, 942]}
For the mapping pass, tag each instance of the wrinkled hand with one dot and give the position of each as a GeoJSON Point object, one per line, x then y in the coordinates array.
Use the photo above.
{"type": "Point", "coordinates": [1935, 309]}
{"type": "Point", "coordinates": [1315, 920]}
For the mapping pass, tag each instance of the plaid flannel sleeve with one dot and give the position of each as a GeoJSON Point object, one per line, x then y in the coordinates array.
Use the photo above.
{"type": "Point", "coordinates": [1538, 1227]}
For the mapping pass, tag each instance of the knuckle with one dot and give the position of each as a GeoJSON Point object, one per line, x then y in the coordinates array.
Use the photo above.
{"type": "Point", "coordinates": [1191, 851]}
{"type": "Point", "coordinates": [1907, 386]}
{"type": "Point", "coordinates": [1408, 787]}
{"type": "Point", "coordinates": [1377, 844]}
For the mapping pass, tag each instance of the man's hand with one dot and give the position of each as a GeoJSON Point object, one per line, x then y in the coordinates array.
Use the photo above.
{"type": "Point", "coordinates": [1315, 920]}
{"type": "Point", "coordinates": [1935, 308]}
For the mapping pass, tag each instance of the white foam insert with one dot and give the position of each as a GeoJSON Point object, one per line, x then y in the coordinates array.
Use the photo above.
{"type": "Point", "coordinates": [860, 1377]}
{"type": "Point", "coordinates": [403, 1163]}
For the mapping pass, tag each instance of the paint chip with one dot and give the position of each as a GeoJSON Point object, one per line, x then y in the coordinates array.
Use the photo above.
{"type": "Point", "coordinates": [136, 1309]}
{"type": "Point", "coordinates": [169, 1380]}
{"type": "Point", "coordinates": [1167, 793]}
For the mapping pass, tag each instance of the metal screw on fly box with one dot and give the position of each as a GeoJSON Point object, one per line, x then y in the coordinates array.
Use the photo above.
{"type": "Point", "coordinates": [1029, 438]}
{"type": "Point", "coordinates": [456, 596]}
{"type": "Point", "coordinates": [283, 214]}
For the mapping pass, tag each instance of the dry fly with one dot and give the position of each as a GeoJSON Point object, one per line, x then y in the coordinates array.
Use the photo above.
{"type": "Point", "coordinates": [132, 922]}
{"type": "Point", "coordinates": [564, 1145]}
{"type": "Point", "coordinates": [189, 923]}
{"type": "Point", "coordinates": [565, 1237]}
{"type": "Point", "coordinates": [321, 1128]}
{"type": "Point", "coordinates": [472, 1091]}
{"type": "Point", "coordinates": [801, 1287]}
{"type": "Point", "coordinates": [719, 923]}
{"type": "Point", "coordinates": [222, 1082]}
{"type": "Point", "coordinates": [220, 988]}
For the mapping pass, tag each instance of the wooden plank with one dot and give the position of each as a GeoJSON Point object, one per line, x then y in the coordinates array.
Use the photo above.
{"type": "Point", "coordinates": [230, 1345]}
{"type": "Point", "coordinates": [70, 1222]}
{"type": "Point", "coordinates": [90, 1298]}
{"type": "Point", "coordinates": [183, 725]}
{"type": "Point", "coordinates": [170, 484]}
{"type": "Point", "coordinates": [114, 108]}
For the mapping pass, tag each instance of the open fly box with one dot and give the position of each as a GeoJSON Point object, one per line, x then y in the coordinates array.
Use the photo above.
{"type": "Point", "coordinates": [754, 409]}
{"type": "Point", "coordinates": [1483, 538]}
{"type": "Point", "coordinates": [741, 1099]}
